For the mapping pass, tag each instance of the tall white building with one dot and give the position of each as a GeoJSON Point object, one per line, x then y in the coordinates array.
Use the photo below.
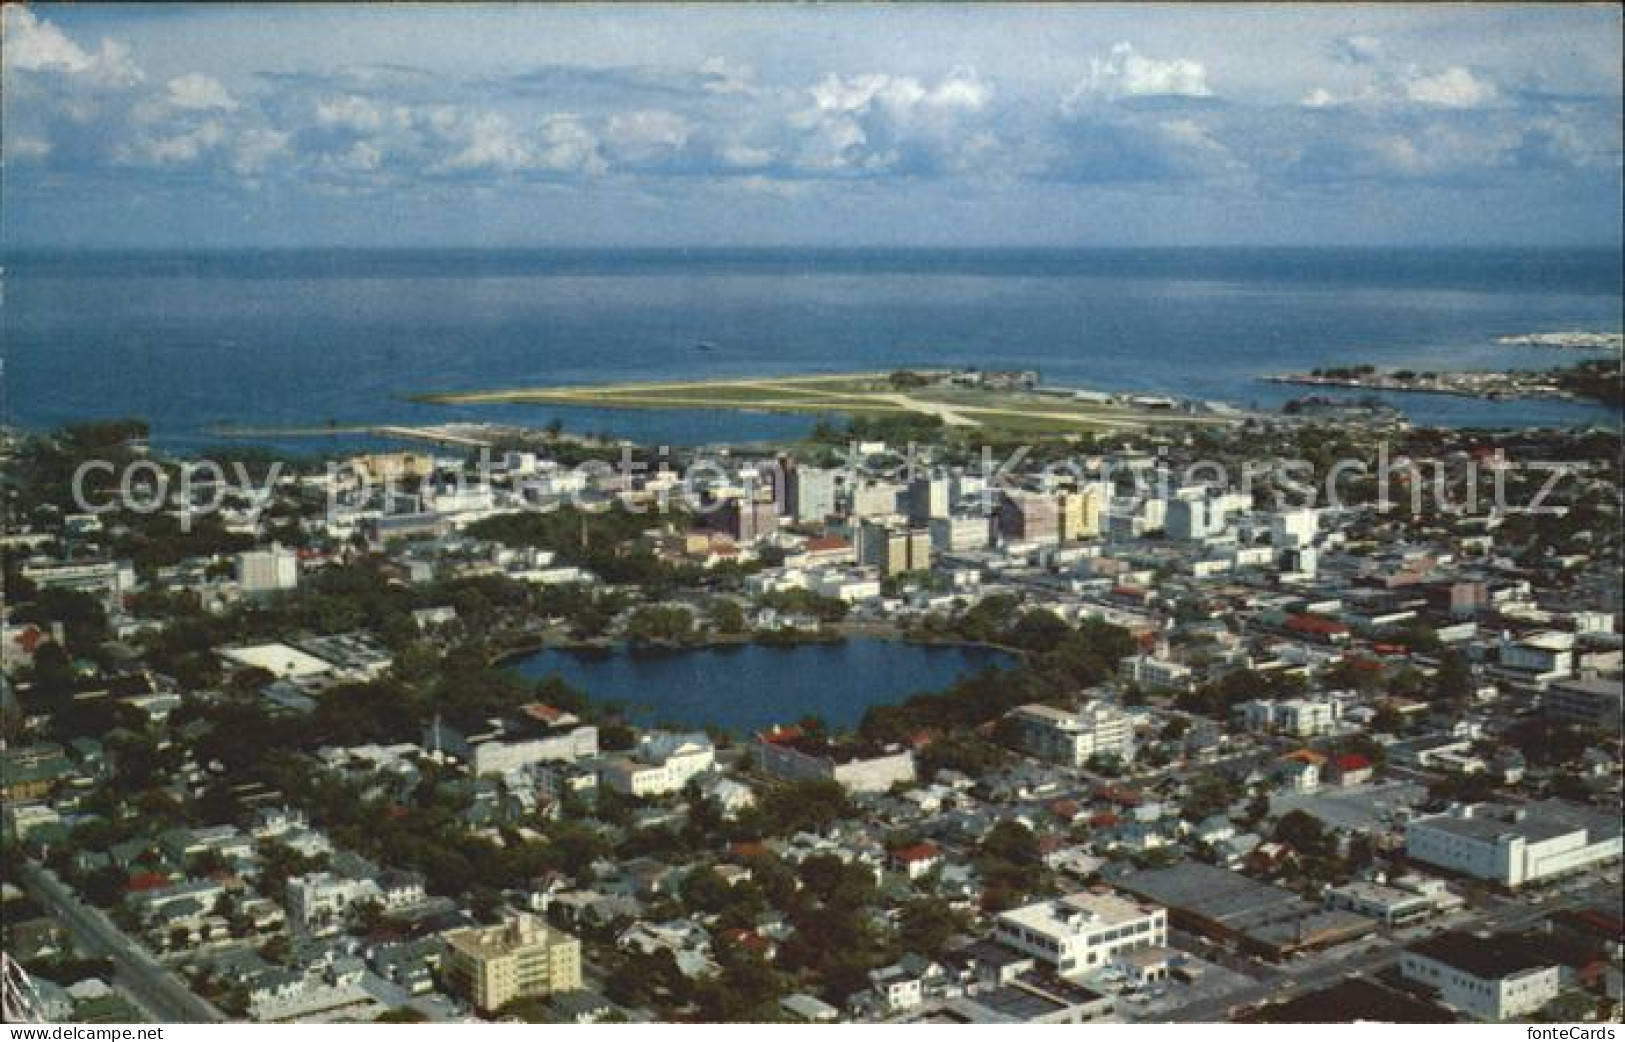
{"type": "Point", "coordinates": [268, 571]}
{"type": "Point", "coordinates": [928, 498]}
{"type": "Point", "coordinates": [810, 493]}
{"type": "Point", "coordinates": [1082, 932]}
{"type": "Point", "coordinates": [876, 499]}
{"type": "Point", "coordinates": [962, 533]}
{"type": "Point", "coordinates": [662, 763]}
{"type": "Point", "coordinates": [1191, 517]}
{"type": "Point", "coordinates": [1294, 529]}
{"type": "Point", "coordinates": [1303, 717]}
{"type": "Point", "coordinates": [1072, 738]}
{"type": "Point", "coordinates": [321, 900]}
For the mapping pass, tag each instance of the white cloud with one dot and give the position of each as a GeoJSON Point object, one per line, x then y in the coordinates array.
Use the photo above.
{"type": "Point", "coordinates": [566, 145]}
{"type": "Point", "coordinates": [744, 157]}
{"type": "Point", "coordinates": [647, 132]}
{"type": "Point", "coordinates": [1321, 98]}
{"type": "Point", "coordinates": [875, 122]}
{"type": "Point", "coordinates": [1455, 88]}
{"type": "Point", "coordinates": [34, 45]}
{"type": "Point", "coordinates": [901, 95]}
{"type": "Point", "coordinates": [724, 77]}
{"type": "Point", "coordinates": [179, 149]}
{"type": "Point", "coordinates": [490, 143]}
{"type": "Point", "coordinates": [350, 112]}
{"type": "Point", "coordinates": [26, 146]}
{"type": "Point", "coordinates": [256, 149]}
{"type": "Point", "coordinates": [197, 92]}
{"type": "Point", "coordinates": [1126, 73]}
{"type": "Point", "coordinates": [1357, 50]}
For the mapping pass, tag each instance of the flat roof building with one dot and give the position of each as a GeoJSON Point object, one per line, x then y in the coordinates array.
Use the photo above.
{"type": "Point", "coordinates": [491, 966]}
{"type": "Point", "coordinates": [1082, 932]}
{"type": "Point", "coordinates": [1488, 978]}
{"type": "Point", "coordinates": [1514, 845]}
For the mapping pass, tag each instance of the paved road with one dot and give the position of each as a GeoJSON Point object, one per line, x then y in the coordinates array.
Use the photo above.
{"type": "Point", "coordinates": [1213, 1010]}
{"type": "Point", "coordinates": [153, 986]}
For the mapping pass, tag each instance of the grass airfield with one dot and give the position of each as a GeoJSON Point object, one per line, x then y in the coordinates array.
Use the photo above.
{"type": "Point", "coordinates": [870, 394]}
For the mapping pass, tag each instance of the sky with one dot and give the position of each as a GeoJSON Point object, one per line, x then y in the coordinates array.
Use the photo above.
{"type": "Point", "coordinates": [846, 125]}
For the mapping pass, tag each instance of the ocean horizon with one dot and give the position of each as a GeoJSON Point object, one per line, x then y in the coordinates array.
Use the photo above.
{"type": "Point", "coordinates": [199, 341]}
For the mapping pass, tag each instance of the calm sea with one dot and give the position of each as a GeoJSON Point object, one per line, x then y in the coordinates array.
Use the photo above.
{"type": "Point", "coordinates": [197, 342]}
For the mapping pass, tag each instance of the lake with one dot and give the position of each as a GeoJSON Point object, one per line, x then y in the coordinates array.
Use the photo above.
{"type": "Point", "coordinates": [747, 687]}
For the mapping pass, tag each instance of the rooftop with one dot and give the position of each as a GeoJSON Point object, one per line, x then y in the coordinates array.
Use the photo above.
{"type": "Point", "coordinates": [486, 942]}
{"type": "Point", "coordinates": [1084, 909]}
{"type": "Point", "coordinates": [1487, 958]}
{"type": "Point", "coordinates": [1533, 822]}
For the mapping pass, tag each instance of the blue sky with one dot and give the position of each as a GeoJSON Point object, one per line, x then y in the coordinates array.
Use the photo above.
{"type": "Point", "coordinates": [845, 125]}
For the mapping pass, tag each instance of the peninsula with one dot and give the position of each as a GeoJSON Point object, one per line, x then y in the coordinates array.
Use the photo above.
{"type": "Point", "coordinates": [1001, 402]}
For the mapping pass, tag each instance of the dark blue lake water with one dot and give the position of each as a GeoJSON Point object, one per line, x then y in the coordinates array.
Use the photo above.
{"type": "Point", "coordinates": [293, 339]}
{"type": "Point", "coordinates": [748, 687]}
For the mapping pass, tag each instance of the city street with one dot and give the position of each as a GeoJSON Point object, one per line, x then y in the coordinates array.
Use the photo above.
{"type": "Point", "coordinates": [137, 973]}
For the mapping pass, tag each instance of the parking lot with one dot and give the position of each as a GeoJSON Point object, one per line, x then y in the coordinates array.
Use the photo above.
{"type": "Point", "coordinates": [1155, 1003]}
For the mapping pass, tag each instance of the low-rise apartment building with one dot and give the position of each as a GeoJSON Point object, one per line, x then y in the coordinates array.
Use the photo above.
{"type": "Point", "coordinates": [1082, 932]}
{"type": "Point", "coordinates": [1071, 737]}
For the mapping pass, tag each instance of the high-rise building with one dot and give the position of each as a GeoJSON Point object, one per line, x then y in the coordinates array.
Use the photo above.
{"type": "Point", "coordinates": [748, 520]}
{"type": "Point", "coordinates": [928, 499]}
{"type": "Point", "coordinates": [1189, 517]}
{"type": "Point", "coordinates": [810, 492]}
{"type": "Point", "coordinates": [268, 571]}
{"type": "Point", "coordinates": [959, 534]}
{"type": "Point", "coordinates": [491, 966]}
{"type": "Point", "coordinates": [1029, 517]}
{"type": "Point", "coordinates": [1073, 738]}
{"type": "Point", "coordinates": [876, 498]}
{"type": "Point", "coordinates": [1081, 512]}
{"type": "Point", "coordinates": [893, 550]}
{"type": "Point", "coordinates": [1292, 529]}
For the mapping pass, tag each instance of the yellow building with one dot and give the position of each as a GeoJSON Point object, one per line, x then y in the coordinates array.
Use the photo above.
{"type": "Point", "coordinates": [380, 467]}
{"type": "Point", "coordinates": [490, 966]}
{"type": "Point", "coordinates": [1080, 513]}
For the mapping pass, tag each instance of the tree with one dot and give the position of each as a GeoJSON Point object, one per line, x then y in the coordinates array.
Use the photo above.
{"type": "Point", "coordinates": [726, 615]}
{"type": "Point", "coordinates": [806, 806]}
{"type": "Point", "coordinates": [927, 925]}
{"type": "Point", "coordinates": [1011, 841]}
{"type": "Point", "coordinates": [1038, 630]}
{"type": "Point", "coordinates": [1387, 720]}
{"type": "Point", "coordinates": [1210, 794]}
{"type": "Point", "coordinates": [1175, 729]}
{"type": "Point", "coordinates": [1304, 833]}
{"type": "Point", "coordinates": [704, 891]}
{"type": "Point", "coordinates": [1453, 684]}
{"type": "Point", "coordinates": [660, 623]}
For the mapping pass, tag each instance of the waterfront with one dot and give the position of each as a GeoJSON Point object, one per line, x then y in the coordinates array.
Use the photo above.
{"type": "Point", "coordinates": [311, 338]}
{"type": "Point", "coordinates": [746, 687]}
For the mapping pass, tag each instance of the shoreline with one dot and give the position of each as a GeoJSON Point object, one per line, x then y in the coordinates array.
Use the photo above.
{"type": "Point", "coordinates": [1401, 387]}
{"type": "Point", "coordinates": [839, 634]}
